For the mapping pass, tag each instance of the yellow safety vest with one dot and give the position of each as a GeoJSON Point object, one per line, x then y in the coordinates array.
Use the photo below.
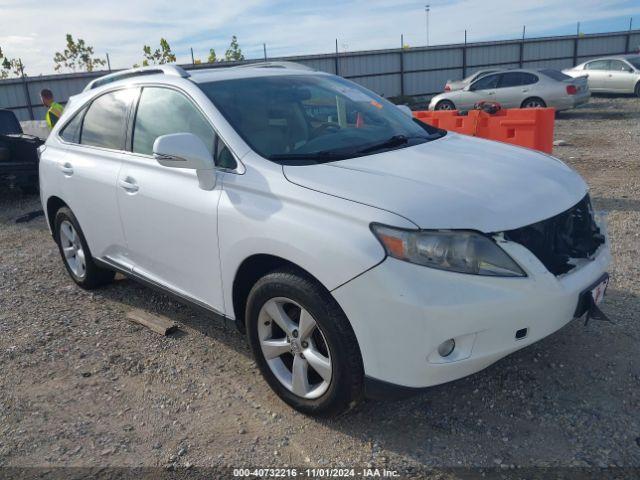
{"type": "Point", "coordinates": [53, 114]}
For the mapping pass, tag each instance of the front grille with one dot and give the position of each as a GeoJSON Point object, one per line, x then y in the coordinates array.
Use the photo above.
{"type": "Point", "coordinates": [569, 235]}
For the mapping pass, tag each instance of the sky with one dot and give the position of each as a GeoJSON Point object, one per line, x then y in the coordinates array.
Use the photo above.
{"type": "Point", "coordinates": [34, 30]}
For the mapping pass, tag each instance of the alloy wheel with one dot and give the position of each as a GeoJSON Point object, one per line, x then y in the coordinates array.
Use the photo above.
{"type": "Point", "coordinates": [72, 249]}
{"type": "Point", "coordinates": [294, 347]}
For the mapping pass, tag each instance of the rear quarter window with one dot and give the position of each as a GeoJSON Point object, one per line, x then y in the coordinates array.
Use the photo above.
{"type": "Point", "coordinates": [106, 119]}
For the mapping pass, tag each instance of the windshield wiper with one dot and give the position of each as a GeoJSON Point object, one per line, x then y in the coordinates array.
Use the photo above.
{"type": "Point", "coordinates": [394, 141]}
{"type": "Point", "coordinates": [326, 155]}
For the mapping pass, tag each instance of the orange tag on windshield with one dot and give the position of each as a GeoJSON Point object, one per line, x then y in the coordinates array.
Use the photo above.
{"type": "Point", "coordinates": [376, 104]}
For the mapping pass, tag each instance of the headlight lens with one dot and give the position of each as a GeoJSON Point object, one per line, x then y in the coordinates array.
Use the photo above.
{"type": "Point", "coordinates": [456, 251]}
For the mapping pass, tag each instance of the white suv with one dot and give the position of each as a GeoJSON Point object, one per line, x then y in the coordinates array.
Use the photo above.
{"type": "Point", "coordinates": [362, 251]}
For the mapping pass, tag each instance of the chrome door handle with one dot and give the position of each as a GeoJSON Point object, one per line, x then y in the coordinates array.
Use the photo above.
{"type": "Point", "coordinates": [67, 169]}
{"type": "Point", "coordinates": [524, 90]}
{"type": "Point", "coordinates": [129, 184]}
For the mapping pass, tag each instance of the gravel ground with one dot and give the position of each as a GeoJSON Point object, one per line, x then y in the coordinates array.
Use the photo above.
{"type": "Point", "coordinates": [83, 386]}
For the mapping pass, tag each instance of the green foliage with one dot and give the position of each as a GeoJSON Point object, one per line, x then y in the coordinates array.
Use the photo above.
{"type": "Point", "coordinates": [159, 56]}
{"type": "Point", "coordinates": [212, 56]}
{"type": "Point", "coordinates": [9, 66]}
{"type": "Point", "coordinates": [77, 56]}
{"type": "Point", "coordinates": [233, 53]}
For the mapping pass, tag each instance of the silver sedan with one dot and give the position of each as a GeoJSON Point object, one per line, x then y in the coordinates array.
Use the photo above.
{"type": "Point", "coordinates": [620, 74]}
{"type": "Point", "coordinates": [518, 89]}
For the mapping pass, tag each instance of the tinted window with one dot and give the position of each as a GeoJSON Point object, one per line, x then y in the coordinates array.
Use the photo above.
{"type": "Point", "coordinates": [9, 123]}
{"type": "Point", "coordinates": [71, 131]}
{"type": "Point", "coordinates": [635, 61]}
{"type": "Point", "coordinates": [480, 74]}
{"type": "Point", "coordinates": [516, 79]}
{"type": "Point", "coordinates": [490, 81]}
{"type": "Point", "coordinates": [619, 66]}
{"type": "Point", "coordinates": [597, 65]}
{"type": "Point", "coordinates": [162, 111]}
{"type": "Point", "coordinates": [555, 74]}
{"type": "Point", "coordinates": [105, 122]}
{"type": "Point", "coordinates": [224, 157]}
{"type": "Point", "coordinates": [313, 118]}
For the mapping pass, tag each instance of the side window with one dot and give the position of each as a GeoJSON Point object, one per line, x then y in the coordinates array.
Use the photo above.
{"type": "Point", "coordinates": [529, 78]}
{"type": "Point", "coordinates": [224, 157]}
{"type": "Point", "coordinates": [105, 121]}
{"type": "Point", "coordinates": [162, 111]}
{"type": "Point", "coordinates": [484, 83]}
{"type": "Point", "coordinates": [71, 131]}
{"type": "Point", "coordinates": [511, 79]}
{"type": "Point", "coordinates": [597, 65]}
{"type": "Point", "coordinates": [619, 66]}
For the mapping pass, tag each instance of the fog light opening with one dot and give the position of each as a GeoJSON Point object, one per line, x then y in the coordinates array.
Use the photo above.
{"type": "Point", "coordinates": [446, 348]}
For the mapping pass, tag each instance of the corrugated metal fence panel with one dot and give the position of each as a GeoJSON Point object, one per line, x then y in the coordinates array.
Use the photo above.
{"type": "Point", "coordinates": [493, 54]}
{"type": "Point", "coordinates": [422, 83]}
{"type": "Point", "coordinates": [368, 64]}
{"type": "Point", "coordinates": [323, 64]}
{"type": "Point", "coordinates": [602, 46]}
{"type": "Point", "coordinates": [428, 59]}
{"type": "Point", "coordinates": [555, 64]}
{"type": "Point", "coordinates": [548, 49]}
{"type": "Point", "coordinates": [634, 43]}
{"type": "Point", "coordinates": [384, 85]}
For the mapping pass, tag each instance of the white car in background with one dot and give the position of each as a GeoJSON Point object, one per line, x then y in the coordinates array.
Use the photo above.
{"type": "Point", "coordinates": [518, 89]}
{"type": "Point", "coordinates": [619, 74]}
{"type": "Point", "coordinates": [362, 251]}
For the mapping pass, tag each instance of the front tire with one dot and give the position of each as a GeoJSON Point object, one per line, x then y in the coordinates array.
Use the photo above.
{"type": "Point", "coordinates": [445, 105]}
{"type": "Point", "coordinates": [303, 344]}
{"type": "Point", "coordinates": [75, 252]}
{"type": "Point", "coordinates": [637, 90]}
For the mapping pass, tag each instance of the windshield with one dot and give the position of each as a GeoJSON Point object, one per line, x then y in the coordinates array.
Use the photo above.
{"type": "Point", "coordinates": [635, 61]}
{"type": "Point", "coordinates": [555, 74]}
{"type": "Point", "coordinates": [313, 117]}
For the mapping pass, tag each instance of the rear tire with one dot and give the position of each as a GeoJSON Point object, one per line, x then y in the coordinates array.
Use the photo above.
{"type": "Point", "coordinates": [75, 252]}
{"type": "Point", "coordinates": [291, 298]}
{"type": "Point", "coordinates": [533, 102]}
{"type": "Point", "coordinates": [637, 90]}
{"type": "Point", "coordinates": [445, 105]}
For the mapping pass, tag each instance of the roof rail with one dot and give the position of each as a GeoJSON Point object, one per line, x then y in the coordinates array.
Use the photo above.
{"type": "Point", "coordinates": [173, 70]}
{"type": "Point", "coordinates": [289, 65]}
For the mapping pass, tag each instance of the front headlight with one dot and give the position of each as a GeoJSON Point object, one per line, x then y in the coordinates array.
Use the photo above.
{"type": "Point", "coordinates": [454, 250]}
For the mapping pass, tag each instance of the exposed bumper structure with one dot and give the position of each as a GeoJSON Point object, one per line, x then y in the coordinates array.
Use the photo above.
{"type": "Point", "coordinates": [402, 312]}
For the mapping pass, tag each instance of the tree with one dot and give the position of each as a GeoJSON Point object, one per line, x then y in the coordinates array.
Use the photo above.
{"type": "Point", "coordinates": [159, 56]}
{"type": "Point", "coordinates": [212, 56]}
{"type": "Point", "coordinates": [9, 66]}
{"type": "Point", "coordinates": [77, 56]}
{"type": "Point", "coordinates": [233, 53]}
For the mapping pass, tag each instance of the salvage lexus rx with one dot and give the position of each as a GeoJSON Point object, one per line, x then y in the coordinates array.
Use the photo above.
{"type": "Point", "coordinates": [363, 252]}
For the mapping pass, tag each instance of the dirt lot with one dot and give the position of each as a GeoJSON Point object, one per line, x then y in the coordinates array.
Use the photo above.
{"type": "Point", "coordinates": [82, 386]}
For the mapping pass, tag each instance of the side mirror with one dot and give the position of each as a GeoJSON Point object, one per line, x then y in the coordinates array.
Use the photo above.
{"type": "Point", "coordinates": [406, 110]}
{"type": "Point", "coordinates": [186, 150]}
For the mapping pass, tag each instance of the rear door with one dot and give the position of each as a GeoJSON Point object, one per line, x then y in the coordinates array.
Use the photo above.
{"type": "Point", "coordinates": [598, 70]}
{"type": "Point", "coordinates": [514, 87]}
{"type": "Point", "coordinates": [170, 223]}
{"type": "Point", "coordinates": [620, 77]}
{"type": "Point", "coordinates": [88, 164]}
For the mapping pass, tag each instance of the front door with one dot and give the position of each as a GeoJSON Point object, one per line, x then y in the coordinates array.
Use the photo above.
{"type": "Point", "coordinates": [170, 223]}
{"type": "Point", "coordinates": [483, 89]}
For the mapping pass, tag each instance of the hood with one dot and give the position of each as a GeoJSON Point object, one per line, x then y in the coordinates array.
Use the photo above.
{"type": "Point", "coordinates": [456, 182]}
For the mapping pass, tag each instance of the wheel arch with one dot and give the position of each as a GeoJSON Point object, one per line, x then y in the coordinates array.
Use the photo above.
{"type": "Point", "coordinates": [54, 204]}
{"type": "Point", "coordinates": [249, 272]}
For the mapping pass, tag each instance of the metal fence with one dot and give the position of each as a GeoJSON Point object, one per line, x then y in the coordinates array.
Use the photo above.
{"type": "Point", "coordinates": [391, 73]}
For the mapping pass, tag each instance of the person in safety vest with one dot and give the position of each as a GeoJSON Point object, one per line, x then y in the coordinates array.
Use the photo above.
{"type": "Point", "coordinates": [54, 111]}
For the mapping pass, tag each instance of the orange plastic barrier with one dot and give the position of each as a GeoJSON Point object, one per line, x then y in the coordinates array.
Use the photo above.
{"type": "Point", "coordinates": [526, 127]}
